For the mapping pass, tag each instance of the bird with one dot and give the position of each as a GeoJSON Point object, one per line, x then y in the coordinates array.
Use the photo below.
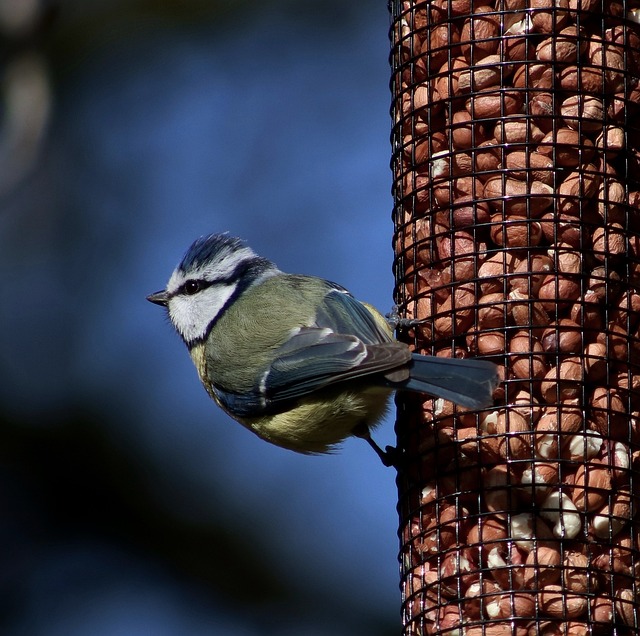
{"type": "Point", "coordinates": [297, 359]}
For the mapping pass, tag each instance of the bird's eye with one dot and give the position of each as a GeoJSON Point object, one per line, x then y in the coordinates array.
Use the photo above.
{"type": "Point", "coordinates": [192, 287]}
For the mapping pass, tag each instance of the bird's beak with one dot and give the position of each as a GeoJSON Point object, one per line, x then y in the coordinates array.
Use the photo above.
{"type": "Point", "coordinates": [159, 298]}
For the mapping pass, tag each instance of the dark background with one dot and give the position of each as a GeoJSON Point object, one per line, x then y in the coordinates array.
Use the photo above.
{"type": "Point", "coordinates": [128, 503]}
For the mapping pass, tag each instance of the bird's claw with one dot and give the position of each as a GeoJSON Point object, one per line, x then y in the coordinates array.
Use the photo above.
{"type": "Point", "coordinates": [390, 456]}
{"type": "Point", "coordinates": [397, 323]}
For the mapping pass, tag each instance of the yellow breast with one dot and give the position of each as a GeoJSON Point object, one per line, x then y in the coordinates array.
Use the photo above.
{"type": "Point", "coordinates": [320, 421]}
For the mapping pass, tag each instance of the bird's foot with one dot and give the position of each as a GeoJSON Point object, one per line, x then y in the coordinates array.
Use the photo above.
{"type": "Point", "coordinates": [390, 456]}
{"type": "Point", "coordinates": [397, 323]}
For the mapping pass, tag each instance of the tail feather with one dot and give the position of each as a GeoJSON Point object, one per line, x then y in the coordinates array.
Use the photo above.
{"type": "Point", "coordinates": [466, 382]}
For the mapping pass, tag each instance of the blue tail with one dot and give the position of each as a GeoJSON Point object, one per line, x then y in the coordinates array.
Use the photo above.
{"type": "Point", "coordinates": [464, 381]}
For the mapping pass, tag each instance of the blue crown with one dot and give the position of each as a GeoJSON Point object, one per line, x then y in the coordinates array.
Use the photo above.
{"type": "Point", "coordinates": [208, 248]}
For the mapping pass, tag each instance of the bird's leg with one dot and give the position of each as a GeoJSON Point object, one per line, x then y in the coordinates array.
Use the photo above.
{"type": "Point", "coordinates": [389, 456]}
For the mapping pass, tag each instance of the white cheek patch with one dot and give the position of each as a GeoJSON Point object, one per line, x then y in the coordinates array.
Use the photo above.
{"type": "Point", "coordinates": [191, 315]}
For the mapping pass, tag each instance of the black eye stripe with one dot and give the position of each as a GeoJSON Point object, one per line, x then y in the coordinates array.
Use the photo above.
{"type": "Point", "coordinates": [193, 286]}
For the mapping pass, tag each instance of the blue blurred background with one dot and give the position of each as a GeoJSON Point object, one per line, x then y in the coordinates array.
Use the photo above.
{"type": "Point", "coordinates": [128, 503]}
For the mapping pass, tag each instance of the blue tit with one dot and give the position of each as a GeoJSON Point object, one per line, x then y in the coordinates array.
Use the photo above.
{"type": "Point", "coordinates": [297, 359]}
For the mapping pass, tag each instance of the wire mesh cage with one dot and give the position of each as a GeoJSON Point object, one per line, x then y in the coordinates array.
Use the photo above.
{"type": "Point", "coordinates": [516, 159]}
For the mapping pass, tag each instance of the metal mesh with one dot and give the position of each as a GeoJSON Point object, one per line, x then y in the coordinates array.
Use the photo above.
{"type": "Point", "coordinates": [516, 159]}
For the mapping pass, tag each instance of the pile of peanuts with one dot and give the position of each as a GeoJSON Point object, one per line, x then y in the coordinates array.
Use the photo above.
{"type": "Point", "coordinates": [517, 188]}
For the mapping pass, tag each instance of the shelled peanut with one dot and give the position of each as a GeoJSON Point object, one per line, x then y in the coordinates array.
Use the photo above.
{"type": "Point", "coordinates": [537, 537]}
{"type": "Point", "coordinates": [517, 128]}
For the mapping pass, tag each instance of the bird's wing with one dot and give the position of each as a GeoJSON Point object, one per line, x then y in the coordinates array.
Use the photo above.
{"type": "Point", "coordinates": [315, 358]}
{"type": "Point", "coordinates": [344, 343]}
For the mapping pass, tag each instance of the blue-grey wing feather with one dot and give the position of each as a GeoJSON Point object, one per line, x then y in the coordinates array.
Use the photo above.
{"type": "Point", "coordinates": [342, 313]}
{"type": "Point", "coordinates": [332, 358]}
{"type": "Point", "coordinates": [240, 404]}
